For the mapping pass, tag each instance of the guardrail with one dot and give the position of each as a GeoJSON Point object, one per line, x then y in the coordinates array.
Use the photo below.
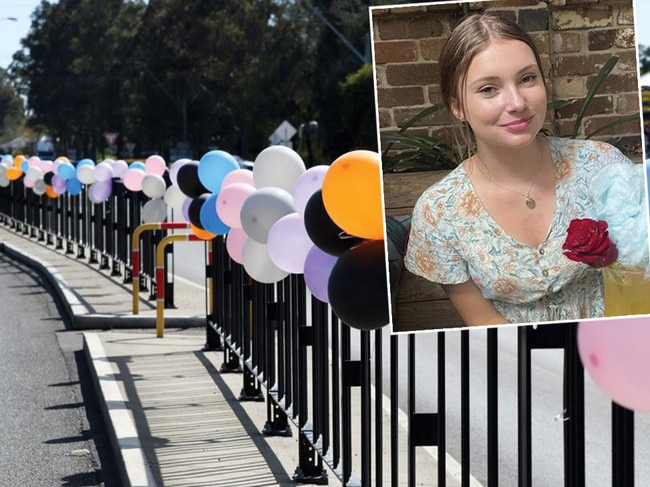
{"type": "Point", "coordinates": [354, 397]}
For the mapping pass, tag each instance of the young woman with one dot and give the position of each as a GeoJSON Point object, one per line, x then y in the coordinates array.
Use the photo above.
{"type": "Point", "coordinates": [492, 231]}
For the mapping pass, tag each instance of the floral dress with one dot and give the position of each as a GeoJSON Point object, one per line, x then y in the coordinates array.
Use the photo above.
{"type": "Point", "coordinates": [453, 238]}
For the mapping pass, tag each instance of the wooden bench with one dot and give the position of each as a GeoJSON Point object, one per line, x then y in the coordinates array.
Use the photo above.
{"type": "Point", "coordinates": [421, 304]}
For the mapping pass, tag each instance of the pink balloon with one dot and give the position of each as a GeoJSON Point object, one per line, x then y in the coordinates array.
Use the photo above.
{"type": "Point", "coordinates": [133, 179]}
{"type": "Point", "coordinates": [235, 241]}
{"type": "Point", "coordinates": [288, 243]}
{"type": "Point", "coordinates": [28, 182]}
{"type": "Point", "coordinates": [306, 185]}
{"type": "Point", "coordinates": [318, 267]}
{"type": "Point", "coordinates": [615, 353]}
{"type": "Point", "coordinates": [155, 165]}
{"type": "Point", "coordinates": [230, 201]}
{"type": "Point", "coordinates": [238, 176]}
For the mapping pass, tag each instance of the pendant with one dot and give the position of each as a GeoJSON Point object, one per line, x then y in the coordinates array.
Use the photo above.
{"type": "Point", "coordinates": [530, 203]}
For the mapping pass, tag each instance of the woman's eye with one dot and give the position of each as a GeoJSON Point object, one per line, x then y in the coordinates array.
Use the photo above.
{"type": "Point", "coordinates": [529, 78]}
{"type": "Point", "coordinates": [487, 90]}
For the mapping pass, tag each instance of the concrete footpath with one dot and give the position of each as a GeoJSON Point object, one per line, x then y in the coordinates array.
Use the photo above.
{"type": "Point", "coordinates": [173, 419]}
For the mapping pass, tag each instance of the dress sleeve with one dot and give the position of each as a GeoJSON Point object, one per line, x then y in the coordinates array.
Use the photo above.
{"type": "Point", "coordinates": [432, 250]}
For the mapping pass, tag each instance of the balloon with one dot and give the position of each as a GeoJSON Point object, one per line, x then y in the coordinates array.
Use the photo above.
{"type": "Point", "coordinates": [174, 198]}
{"type": "Point", "coordinates": [138, 165]}
{"type": "Point", "coordinates": [86, 173]}
{"type": "Point", "coordinates": [65, 170]}
{"type": "Point", "coordinates": [154, 211]}
{"type": "Point", "coordinates": [325, 234]}
{"type": "Point", "coordinates": [4, 181]}
{"type": "Point", "coordinates": [210, 220]}
{"type": "Point", "coordinates": [352, 194]}
{"type": "Point", "coordinates": [213, 168]}
{"type": "Point", "coordinates": [155, 165]}
{"type": "Point", "coordinates": [235, 241]}
{"type": "Point", "coordinates": [119, 168]}
{"type": "Point", "coordinates": [262, 209]}
{"type": "Point", "coordinates": [258, 265]}
{"type": "Point", "coordinates": [202, 234]}
{"type": "Point", "coordinates": [34, 173]}
{"type": "Point", "coordinates": [13, 173]}
{"type": "Point", "coordinates": [49, 190]}
{"type": "Point", "coordinates": [288, 243]}
{"type": "Point", "coordinates": [73, 186]}
{"type": "Point", "coordinates": [27, 182]}
{"type": "Point", "coordinates": [277, 166]}
{"type": "Point", "coordinates": [306, 185]}
{"type": "Point", "coordinates": [185, 209]}
{"type": "Point", "coordinates": [615, 354]}
{"type": "Point", "coordinates": [188, 180]}
{"type": "Point", "coordinates": [173, 171]}
{"type": "Point", "coordinates": [230, 202]}
{"type": "Point", "coordinates": [133, 179]}
{"type": "Point", "coordinates": [357, 287]}
{"type": "Point", "coordinates": [194, 211]}
{"type": "Point", "coordinates": [318, 267]}
{"type": "Point", "coordinates": [48, 176]}
{"type": "Point", "coordinates": [243, 176]}
{"type": "Point", "coordinates": [39, 187]}
{"type": "Point", "coordinates": [18, 160]}
{"type": "Point", "coordinates": [104, 171]}
{"type": "Point", "coordinates": [153, 185]}
{"type": "Point", "coordinates": [100, 191]}
{"type": "Point", "coordinates": [24, 165]}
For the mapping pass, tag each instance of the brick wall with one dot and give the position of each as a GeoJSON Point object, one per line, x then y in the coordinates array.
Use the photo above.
{"type": "Point", "coordinates": [575, 39]}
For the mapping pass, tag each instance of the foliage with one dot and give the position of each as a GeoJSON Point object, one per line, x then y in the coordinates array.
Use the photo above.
{"type": "Point", "coordinates": [359, 107]}
{"type": "Point", "coordinates": [416, 152]}
{"type": "Point", "coordinates": [644, 59]}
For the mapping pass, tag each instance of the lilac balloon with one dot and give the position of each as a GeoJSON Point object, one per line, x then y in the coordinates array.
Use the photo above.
{"type": "Point", "coordinates": [318, 267]}
{"type": "Point", "coordinates": [306, 185]}
{"type": "Point", "coordinates": [104, 171]}
{"type": "Point", "coordinates": [100, 191]}
{"type": "Point", "coordinates": [235, 241]}
{"type": "Point", "coordinates": [243, 176]}
{"type": "Point", "coordinates": [230, 202]}
{"type": "Point", "coordinates": [133, 179]}
{"type": "Point", "coordinates": [288, 243]}
{"type": "Point", "coordinates": [155, 165]}
{"type": "Point", "coordinates": [173, 171]}
{"type": "Point", "coordinates": [185, 210]}
{"type": "Point", "coordinates": [119, 168]}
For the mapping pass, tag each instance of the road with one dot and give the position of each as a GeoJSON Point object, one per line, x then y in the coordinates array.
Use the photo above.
{"type": "Point", "coordinates": [51, 429]}
{"type": "Point", "coordinates": [547, 405]}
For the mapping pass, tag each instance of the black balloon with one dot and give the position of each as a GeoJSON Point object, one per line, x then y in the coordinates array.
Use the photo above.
{"type": "Point", "coordinates": [188, 180]}
{"type": "Point", "coordinates": [357, 286]}
{"type": "Point", "coordinates": [194, 210]}
{"type": "Point", "coordinates": [47, 177]}
{"type": "Point", "coordinates": [325, 234]}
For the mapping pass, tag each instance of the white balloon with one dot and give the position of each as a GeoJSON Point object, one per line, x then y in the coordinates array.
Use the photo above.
{"type": "Point", "coordinates": [174, 198]}
{"type": "Point", "coordinates": [278, 166]}
{"type": "Point", "coordinates": [154, 211]}
{"type": "Point", "coordinates": [86, 174]}
{"type": "Point", "coordinates": [34, 173]}
{"type": "Point", "coordinates": [153, 186]}
{"type": "Point", "coordinates": [262, 209]}
{"type": "Point", "coordinates": [39, 187]}
{"type": "Point", "coordinates": [258, 265]}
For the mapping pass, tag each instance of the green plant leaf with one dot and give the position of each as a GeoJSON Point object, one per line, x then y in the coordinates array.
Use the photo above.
{"type": "Point", "coordinates": [602, 74]}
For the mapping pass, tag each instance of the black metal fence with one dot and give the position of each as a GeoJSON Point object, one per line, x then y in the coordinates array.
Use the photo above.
{"type": "Point", "coordinates": [372, 408]}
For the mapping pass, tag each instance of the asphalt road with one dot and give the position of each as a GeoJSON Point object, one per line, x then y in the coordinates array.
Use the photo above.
{"type": "Point", "coordinates": [51, 430]}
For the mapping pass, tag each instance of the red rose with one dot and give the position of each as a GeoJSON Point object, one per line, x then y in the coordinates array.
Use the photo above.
{"type": "Point", "coordinates": [588, 241]}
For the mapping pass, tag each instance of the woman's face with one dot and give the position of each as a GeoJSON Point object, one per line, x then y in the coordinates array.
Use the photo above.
{"type": "Point", "coordinates": [504, 96]}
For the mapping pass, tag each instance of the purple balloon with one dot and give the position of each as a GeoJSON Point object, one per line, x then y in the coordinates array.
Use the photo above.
{"type": "Point", "coordinates": [288, 243]}
{"type": "Point", "coordinates": [318, 266]}
{"type": "Point", "coordinates": [306, 185]}
{"type": "Point", "coordinates": [185, 210]}
{"type": "Point", "coordinates": [100, 191]}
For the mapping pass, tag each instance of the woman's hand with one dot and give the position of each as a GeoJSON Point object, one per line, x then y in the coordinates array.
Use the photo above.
{"type": "Point", "coordinates": [472, 306]}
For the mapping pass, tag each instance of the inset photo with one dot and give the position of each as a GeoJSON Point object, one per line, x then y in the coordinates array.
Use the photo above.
{"type": "Point", "coordinates": [511, 144]}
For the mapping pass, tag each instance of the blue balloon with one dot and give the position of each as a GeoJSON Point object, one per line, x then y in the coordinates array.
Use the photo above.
{"type": "Point", "coordinates": [213, 168]}
{"type": "Point", "coordinates": [137, 165]}
{"type": "Point", "coordinates": [73, 186]}
{"type": "Point", "coordinates": [84, 162]}
{"type": "Point", "coordinates": [24, 166]}
{"type": "Point", "coordinates": [210, 219]}
{"type": "Point", "coordinates": [65, 170]}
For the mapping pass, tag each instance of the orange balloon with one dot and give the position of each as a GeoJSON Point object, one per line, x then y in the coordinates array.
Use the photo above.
{"type": "Point", "coordinates": [201, 233]}
{"type": "Point", "coordinates": [49, 190]}
{"type": "Point", "coordinates": [18, 160]}
{"type": "Point", "coordinates": [13, 173]}
{"type": "Point", "coordinates": [352, 194]}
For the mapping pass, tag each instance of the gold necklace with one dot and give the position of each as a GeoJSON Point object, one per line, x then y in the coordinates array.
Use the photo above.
{"type": "Point", "coordinates": [528, 199]}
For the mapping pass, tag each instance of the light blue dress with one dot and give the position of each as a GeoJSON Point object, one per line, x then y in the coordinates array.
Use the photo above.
{"type": "Point", "coordinates": [453, 238]}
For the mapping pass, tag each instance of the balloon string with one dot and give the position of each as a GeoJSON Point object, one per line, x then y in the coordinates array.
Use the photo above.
{"type": "Point", "coordinates": [344, 235]}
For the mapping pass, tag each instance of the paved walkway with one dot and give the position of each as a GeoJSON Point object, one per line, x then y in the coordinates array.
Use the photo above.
{"type": "Point", "coordinates": [174, 420]}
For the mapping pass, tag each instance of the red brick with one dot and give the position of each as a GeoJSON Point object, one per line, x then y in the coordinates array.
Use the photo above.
{"type": "Point", "coordinates": [579, 65]}
{"type": "Point", "coordinates": [430, 48]}
{"type": "Point", "coordinates": [412, 74]}
{"type": "Point", "coordinates": [441, 117]}
{"type": "Point", "coordinates": [395, 52]}
{"type": "Point", "coordinates": [388, 29]}
{"type": "Point", "coordinates": [426, 27]}
{"type": "Point", "coordinates": [400, 97]}
{"type": "Point", "coordinates": [595, 123]}
{"type": "Point", "coordinates": [601, 39]}
{"type": "Point", "coordinates": [598, 105]}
